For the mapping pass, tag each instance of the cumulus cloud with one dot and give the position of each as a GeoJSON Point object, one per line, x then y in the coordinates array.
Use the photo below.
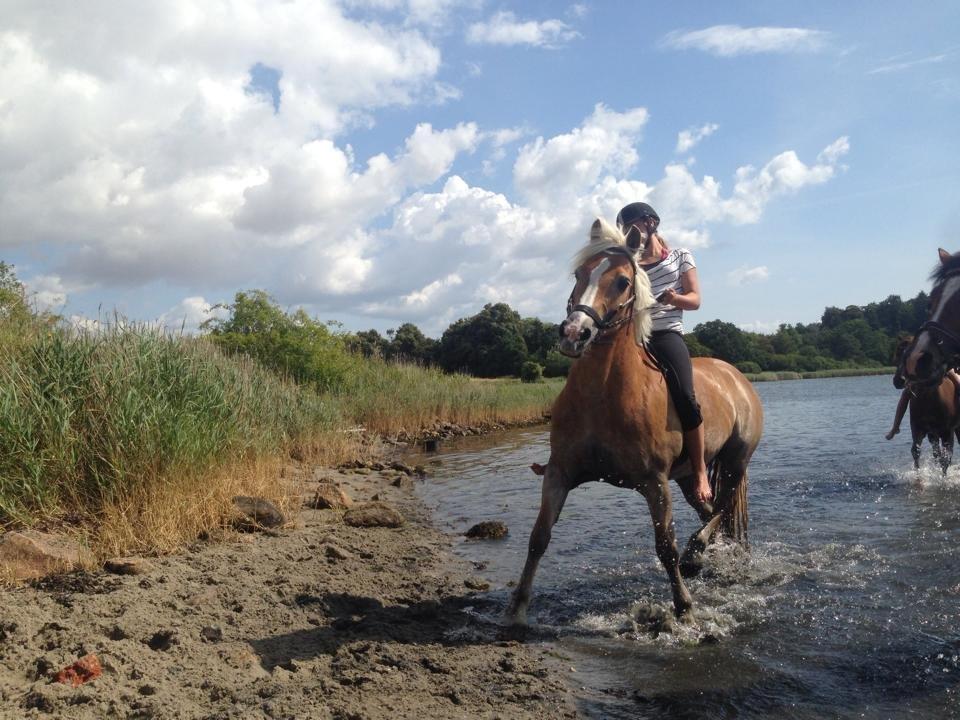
{"type": "Point", "coordinates": [731, 40]}
{"type": "Point", "coordinates": [47, 292]}
{"type": "Point", "coordinates": [691, 137]}
{"type": "Point", "coordinates": [744, 275]}
{"type": "Point", "coordinates": [503, 28]}
{"type": "Point", "coordinates": [189, 313]}
{"type": "Point", "coordinates": [549, 173]}
{"type": "Point", "coordinates": [149, 176]}
{"type": "Point", "coordinates": [155, 159]}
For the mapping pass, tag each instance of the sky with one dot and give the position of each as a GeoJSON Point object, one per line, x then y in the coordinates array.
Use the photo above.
{"type": "Point", "coordinates": [386, 161]}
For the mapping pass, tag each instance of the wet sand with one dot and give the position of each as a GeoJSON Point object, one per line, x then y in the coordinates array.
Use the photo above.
{"type": "Point", "coordinates": [319, 620]}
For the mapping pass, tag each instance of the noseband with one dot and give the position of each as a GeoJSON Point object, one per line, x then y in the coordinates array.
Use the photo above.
{"type": "Point", "coordinates": [609, 321]}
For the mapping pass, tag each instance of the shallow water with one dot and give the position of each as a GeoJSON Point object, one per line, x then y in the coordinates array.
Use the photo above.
{"type": "Point", "coordinates": [847, 605]}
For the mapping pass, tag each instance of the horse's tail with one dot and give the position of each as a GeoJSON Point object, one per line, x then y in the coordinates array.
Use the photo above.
{"type": "Point", "coordinates": [736, 514]}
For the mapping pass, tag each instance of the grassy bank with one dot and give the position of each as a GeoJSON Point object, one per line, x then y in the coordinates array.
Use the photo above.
{"type": "Point", "coordinates": [140, 439]}
{"type": "Point", "coordinates": [843, 372]}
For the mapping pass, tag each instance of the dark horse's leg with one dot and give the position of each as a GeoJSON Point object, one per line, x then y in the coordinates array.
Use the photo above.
{"type": "Point", "coordinates": [946, 454]}
{"type": "Point", "coordinates": [553, 495]}
{"type": "Point", "coordinates": [915, 447]}
{"type": "Point", "coordinates": [657, 494]}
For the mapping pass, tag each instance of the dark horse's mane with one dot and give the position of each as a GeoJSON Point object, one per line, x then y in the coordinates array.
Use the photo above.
{"type": "Point", "coordinates": [945, 270]}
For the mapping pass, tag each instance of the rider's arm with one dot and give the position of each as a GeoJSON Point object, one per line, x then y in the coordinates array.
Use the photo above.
{"type": "Point", "coordinates": [690, 300]}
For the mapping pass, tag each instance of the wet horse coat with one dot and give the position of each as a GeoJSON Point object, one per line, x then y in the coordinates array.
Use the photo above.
{"type": "Point", "coordinates": [614, 421]}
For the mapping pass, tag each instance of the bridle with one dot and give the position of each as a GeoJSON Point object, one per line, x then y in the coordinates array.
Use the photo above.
{"type": "Point", "coordinates": [612, 319]}
{"type": "Point", "coordinates": [609, 321]}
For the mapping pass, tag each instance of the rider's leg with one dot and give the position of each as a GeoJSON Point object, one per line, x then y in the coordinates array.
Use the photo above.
{"type": "Point", "coordinates": [952, 374]}
{"type": "Point", "coordinates": [695, 448]}
{"type": "Point", "coordinates": [898, 416]}
{"type": "Point", "coordinates": [673, 356]}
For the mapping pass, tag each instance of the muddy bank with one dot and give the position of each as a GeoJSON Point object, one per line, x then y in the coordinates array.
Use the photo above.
{"type": "Point", "coordinates": [319, 620]}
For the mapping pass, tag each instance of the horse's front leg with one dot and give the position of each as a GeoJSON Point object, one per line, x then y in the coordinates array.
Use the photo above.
{"type": "Point", "coordinates": [915, 447]}
{"type": "Point", "coordinates": [657, 494]}
{"type": "Point", "coordinates": [553, 495]}
{"type": "Point", "coordinates": [946, 455]}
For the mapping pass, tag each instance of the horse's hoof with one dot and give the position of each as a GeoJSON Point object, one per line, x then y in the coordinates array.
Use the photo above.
{"type": "Point", "coordinates": [690, 566]}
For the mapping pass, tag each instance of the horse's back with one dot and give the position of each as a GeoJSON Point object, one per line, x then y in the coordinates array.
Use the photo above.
{"type": "Point", "coordinates": [729, 400]}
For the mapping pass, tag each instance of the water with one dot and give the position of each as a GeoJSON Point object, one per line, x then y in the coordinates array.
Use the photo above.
{"type": "Point", "coordinates": [847, 605]}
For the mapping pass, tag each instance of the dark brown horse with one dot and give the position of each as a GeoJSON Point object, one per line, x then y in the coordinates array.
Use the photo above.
{"type": "Point", "coordinates": [934, 415]}
{"type": "Point", "coordinates": [614, 422]}
{"type": "Point", "coordinates": [937, 345]}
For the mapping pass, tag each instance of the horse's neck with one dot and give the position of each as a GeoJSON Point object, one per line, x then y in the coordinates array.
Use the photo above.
{"type": "Point", "coordinates": [604, 366]}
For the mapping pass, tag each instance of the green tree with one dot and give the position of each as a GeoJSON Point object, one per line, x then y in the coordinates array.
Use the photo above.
{"type": "Point", "coordinates": [410, 344]}
{"type": "Point", "coordinates": [368, 343]}
{"type": "Point", "coordinates": [488, 344]}
{"type": "Point", "coordinates": [725, 340]}
{"type": "Point", "coordinates": [292, 343]}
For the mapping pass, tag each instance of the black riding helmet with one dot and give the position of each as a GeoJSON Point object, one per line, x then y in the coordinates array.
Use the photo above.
{"type": "Point", "coordinates": [635, 211]}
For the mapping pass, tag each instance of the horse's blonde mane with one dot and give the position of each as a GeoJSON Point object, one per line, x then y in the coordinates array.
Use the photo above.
{"type": "Point", "coordinates": [603, 238]}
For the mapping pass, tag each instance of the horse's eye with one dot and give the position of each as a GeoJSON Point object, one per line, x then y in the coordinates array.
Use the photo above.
{"type": "Point", "coordinates": [623, 282]}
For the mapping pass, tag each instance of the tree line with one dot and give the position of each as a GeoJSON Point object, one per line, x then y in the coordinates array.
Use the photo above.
{"type": "Point", "coordinates": [497, 341]}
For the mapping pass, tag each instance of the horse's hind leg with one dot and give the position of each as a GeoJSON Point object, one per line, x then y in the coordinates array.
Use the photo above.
{"type": "Point", "coordinates": [553, 494]}
{"type": "Point", "coordinates": [729, 480]}
{"type": "Point", "coordinates": [657, 494]}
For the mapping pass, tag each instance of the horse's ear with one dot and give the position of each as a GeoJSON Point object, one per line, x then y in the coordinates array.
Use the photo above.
{"type": "Point", "coordinates": [634, 238]}
{"type": "Point", "coordinates": [596, 230]}
{"type": "Point", "coordinates": [944, 256]}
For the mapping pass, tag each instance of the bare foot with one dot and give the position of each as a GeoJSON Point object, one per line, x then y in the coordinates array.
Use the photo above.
{"type": "Point", "coordinates": [889, 435]}
{"type": "Point", "coordinates": [704, 493]}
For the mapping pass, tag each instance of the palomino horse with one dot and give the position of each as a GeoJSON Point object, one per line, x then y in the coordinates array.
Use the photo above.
{"type": "Point", "coordinates": [614, 422]}
{"type": "Point", "coordinates": [937, 346]}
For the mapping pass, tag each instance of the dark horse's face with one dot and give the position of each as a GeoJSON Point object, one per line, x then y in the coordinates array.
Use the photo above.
{"type": "Point", "coordinates": [937, 346]}
{"type": "Point", "coordinates": [603, 291]}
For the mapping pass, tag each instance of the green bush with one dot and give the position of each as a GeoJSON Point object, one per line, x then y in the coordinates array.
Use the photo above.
{"type": "Point", "coordinates": [557, 364]}
{"type": "Point", "coordinates": [531, 372]}
{"type": "Point", "coordinates": [748, 366]}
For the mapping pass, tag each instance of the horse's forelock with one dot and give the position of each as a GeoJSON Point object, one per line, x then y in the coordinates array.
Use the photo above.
{"type": "Point", "coordinates": [946, 270]}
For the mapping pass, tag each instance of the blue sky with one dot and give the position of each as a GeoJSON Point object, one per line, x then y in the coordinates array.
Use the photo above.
{"type": "Point", "coordinates": [383, 161]}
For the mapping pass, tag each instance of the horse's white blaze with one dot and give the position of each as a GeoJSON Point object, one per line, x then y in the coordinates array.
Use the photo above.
{"type": "Point", "coordinates": [590, 294]}
{"type": "Point", "coordinates": [578, 318]}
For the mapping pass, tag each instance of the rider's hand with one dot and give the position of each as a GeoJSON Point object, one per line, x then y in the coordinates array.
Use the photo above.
{"type": "Point", "coordinates": [667, 297]}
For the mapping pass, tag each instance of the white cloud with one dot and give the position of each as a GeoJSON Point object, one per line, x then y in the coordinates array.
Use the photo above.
{"type": "Point", "coordinates": [550, 173]}
{"type": "Point", "coordinates": [891, 67]}
{"type": "Point", "coordinates": [689, 138]}
{"type": "Point", "coordinates": [503, 28]}
{"type": "Point", "coordinates": [189, 313]}
{"type": "Point", "coordinates": [744, 275]}
{"type": "Point", "coordinates": [131, 160]}
{"type": "Point", "coordinates": [47, 292]}
{"type": "Point", "coordinates": [731, 40]}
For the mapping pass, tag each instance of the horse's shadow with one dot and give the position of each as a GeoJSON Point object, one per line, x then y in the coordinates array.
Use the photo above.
{"type": "Point", "coordinates": [345, 618]}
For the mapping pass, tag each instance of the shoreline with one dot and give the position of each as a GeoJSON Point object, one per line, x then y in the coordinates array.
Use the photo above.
{"type": "Point", "coordinates": [319, 620]}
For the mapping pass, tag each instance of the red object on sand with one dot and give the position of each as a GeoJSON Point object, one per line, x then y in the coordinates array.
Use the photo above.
{"type": "Point", "coordinates": [82, 671]}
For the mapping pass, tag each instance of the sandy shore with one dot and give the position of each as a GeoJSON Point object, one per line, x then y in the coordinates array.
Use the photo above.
{"type": "Point", "coordinates": [320, 620]}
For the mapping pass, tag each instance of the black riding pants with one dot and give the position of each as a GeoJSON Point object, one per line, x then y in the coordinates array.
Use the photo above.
{"type": "Point", "coordinates": [670, 351]}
